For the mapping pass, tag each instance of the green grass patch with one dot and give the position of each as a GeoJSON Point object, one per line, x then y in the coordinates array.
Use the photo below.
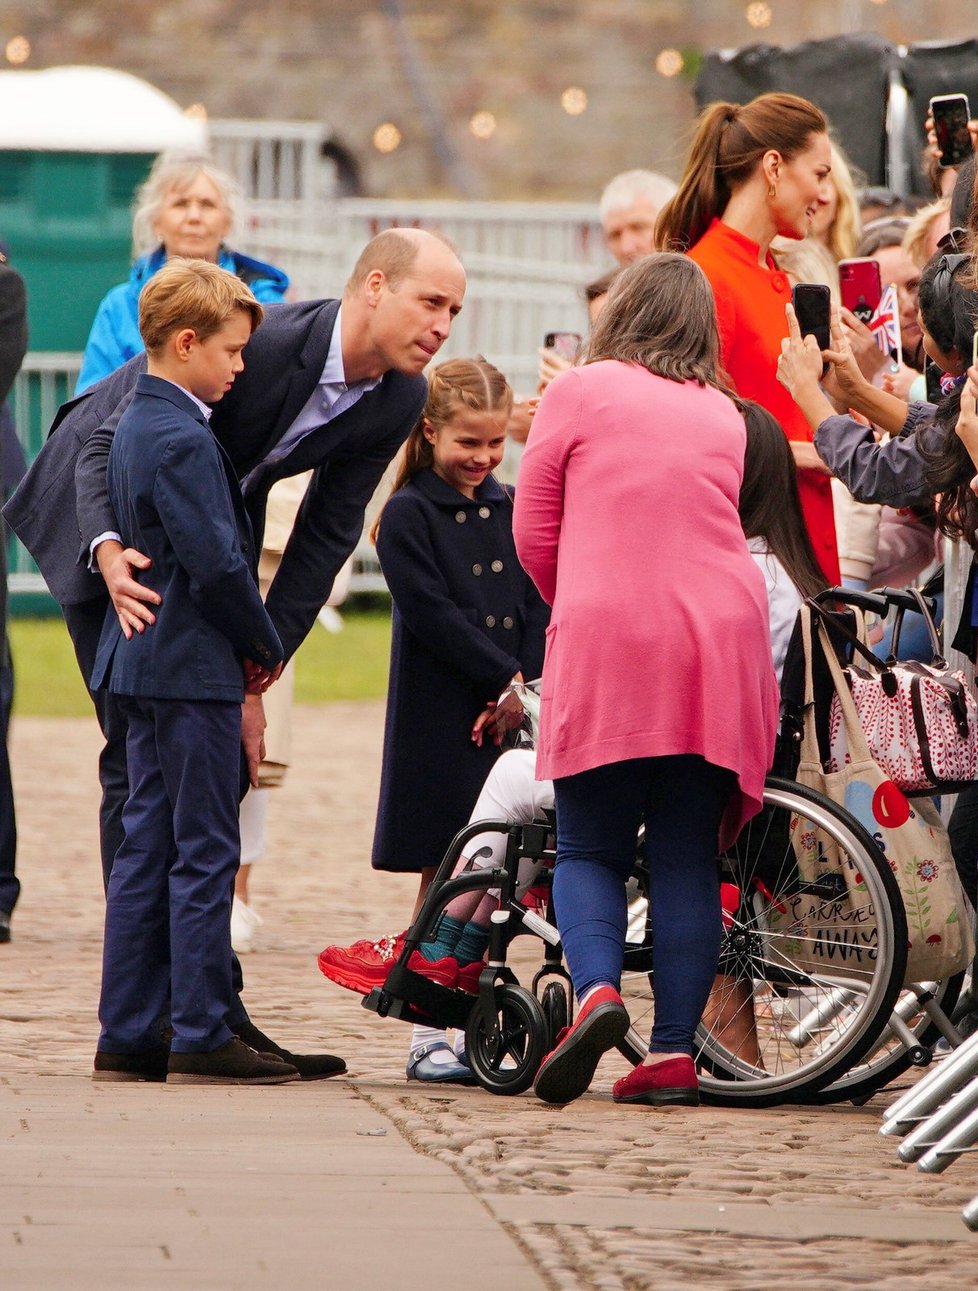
{"type": "Point", "coordinates": [349, 665]}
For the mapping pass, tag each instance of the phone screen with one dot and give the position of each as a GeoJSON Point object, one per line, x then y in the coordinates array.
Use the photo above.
{"type": "Point", "coordinates": [812, 306]}
{"type": "Point", "coordinates": [951, 113]}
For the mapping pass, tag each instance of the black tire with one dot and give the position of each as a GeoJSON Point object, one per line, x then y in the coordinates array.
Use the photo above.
{"type": "Point", "coordinates": [507, 1062]}
{"type": "Point", "coordinates": [761, 981]}
{"type": "Point", "coordinates": [556, 1010]}
{"type": "Point", "coordinates": [889, 1058]}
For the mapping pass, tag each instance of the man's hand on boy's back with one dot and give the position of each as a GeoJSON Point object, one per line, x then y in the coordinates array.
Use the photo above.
{"type": "Point", "coordinates": [133, 601]}
{"type": "Point", "coordinates": [258, 678]}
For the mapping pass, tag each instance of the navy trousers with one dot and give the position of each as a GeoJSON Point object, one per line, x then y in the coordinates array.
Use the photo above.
{"type": "Point", "coordinates": [168, 905]}
{"type": "Point", "coordinates": [84, 622]}
{"type": "Point", "coordinates": [681, 799]}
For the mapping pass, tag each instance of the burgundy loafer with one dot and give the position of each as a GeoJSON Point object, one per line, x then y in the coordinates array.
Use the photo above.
{"type": "Point", "coordinates": [568, 1070]}
{"type": "Point", "coordinates": [660, 1084]}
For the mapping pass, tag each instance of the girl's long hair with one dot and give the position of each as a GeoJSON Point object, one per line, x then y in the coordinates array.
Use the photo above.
{"type": "Point", "coordinates": [728, 145]}
{"type": "Point", "coordinates": [452, 386]}
{"type": "Point", "coordinates": [770, 505]}
{"type": "Point", "coordinates": [949, 311]}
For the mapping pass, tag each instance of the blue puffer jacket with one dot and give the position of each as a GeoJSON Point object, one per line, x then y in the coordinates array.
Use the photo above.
{"type": "Point", "coordinates": [115, 338]}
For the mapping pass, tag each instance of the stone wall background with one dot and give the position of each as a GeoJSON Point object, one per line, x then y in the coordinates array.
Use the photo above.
{"type": "Point", "coordinates": [339, 61]}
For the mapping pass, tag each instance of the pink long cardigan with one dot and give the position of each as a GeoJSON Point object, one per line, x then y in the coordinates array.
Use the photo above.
{"type": "Point", "coordinates": [626, 520]}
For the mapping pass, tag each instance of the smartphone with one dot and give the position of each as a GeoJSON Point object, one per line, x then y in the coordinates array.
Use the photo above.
{"type": "Point", "coordinates": [861, 287]}
{"type": "Point", "coordinates": [951, 115]}
{"type": "Point", "coordinates": [812, 303]}
{"type": "Point", "coordinates": [566, 344]}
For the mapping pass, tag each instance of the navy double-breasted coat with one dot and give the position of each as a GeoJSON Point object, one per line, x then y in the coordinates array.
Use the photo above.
{"type": "Point", "coordinates": [466, 619]}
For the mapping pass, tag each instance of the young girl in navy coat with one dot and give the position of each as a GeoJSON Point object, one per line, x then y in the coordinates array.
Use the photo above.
{"type": "Point", "coordinates": [467, 622]}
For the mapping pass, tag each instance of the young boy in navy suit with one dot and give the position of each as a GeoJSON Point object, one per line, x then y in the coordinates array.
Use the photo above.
{"type": "Point", "coordinates": [176, 496]}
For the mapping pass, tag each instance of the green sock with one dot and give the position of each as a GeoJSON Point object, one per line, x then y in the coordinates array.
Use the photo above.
{"type": "Point", "coordinates": [472, 944]}
{"type": "Point", "coordinates": [446, 938]}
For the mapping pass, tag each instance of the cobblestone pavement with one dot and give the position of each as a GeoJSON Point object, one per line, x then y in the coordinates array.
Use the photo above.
{"type": "Point", "coordinates": [596, 1196]}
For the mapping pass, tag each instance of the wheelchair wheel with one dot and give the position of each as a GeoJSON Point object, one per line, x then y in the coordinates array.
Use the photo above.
{"type": "Point", "coordinates": [890, 1058]}
{"type": "Point", "coordinates": [507, 1061]}
{"type": "Point", "coordinates": [811, 964]}
{"type": "Point", "coordinates": [555, 1007]}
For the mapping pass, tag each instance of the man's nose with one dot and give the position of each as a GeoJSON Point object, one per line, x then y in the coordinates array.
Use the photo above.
{"type": "Point", "coordinates": [442, 325]}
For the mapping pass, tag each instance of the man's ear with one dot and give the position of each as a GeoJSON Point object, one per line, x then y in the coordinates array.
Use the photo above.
{"type": "Point", "coordinates": [373, 286]}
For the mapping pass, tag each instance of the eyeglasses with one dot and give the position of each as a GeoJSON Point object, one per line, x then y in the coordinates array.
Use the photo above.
{"type": "Point", "coordinates": [955, 239]}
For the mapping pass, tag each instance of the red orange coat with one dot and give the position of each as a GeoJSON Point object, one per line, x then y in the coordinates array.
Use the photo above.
{"type": "Point", "coordinates": [750, 301]}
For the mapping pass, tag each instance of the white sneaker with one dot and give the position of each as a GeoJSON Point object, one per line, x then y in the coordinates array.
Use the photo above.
{"type": "Point", "coordinates": [244, 921]}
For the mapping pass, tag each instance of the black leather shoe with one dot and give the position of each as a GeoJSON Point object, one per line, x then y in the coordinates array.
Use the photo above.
{"type": "Point", "coordinates": [310, 1066]}
{"type": "Point", "coordinates": [148, 1064]}
{"type": "Point", "coordinates": [234, 1063]}
{"type": "Point", "coordinates": [4, 926]}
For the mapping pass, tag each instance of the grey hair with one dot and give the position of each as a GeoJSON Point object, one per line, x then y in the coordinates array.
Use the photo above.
{"type": "Point", "coordinates": [177, 170]}
{"type": "Point", "coordinates": [632, 186]}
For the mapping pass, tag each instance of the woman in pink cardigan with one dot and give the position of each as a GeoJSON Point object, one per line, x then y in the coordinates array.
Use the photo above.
{"type": "Point", "coordinates": [659, 699]}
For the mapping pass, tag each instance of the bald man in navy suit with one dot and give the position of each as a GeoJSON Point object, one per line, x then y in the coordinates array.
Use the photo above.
{"type": "Point", "coordinates": [330, 385]}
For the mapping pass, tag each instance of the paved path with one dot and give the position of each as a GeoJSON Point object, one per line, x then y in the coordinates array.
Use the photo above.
{"type": "Point", "coordinates": [367, 1183]}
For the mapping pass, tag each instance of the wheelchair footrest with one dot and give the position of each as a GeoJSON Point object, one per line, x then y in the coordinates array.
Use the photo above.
{"type": "Point", "coordinates": [413, 998]}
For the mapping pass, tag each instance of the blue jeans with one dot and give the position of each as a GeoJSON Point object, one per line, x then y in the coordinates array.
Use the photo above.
{"type": "Point", "coordinates": [681, 800]}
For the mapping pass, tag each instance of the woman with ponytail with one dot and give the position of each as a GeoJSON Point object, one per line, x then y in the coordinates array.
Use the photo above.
{"type": "Point", "coordinates": [755, 173]}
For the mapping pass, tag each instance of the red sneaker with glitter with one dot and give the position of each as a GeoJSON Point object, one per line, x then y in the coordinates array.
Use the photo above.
{"type": "Point", "coordinates": [366, 963]}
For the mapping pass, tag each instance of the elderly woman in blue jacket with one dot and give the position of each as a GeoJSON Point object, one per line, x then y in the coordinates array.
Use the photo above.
{"type": "Point", "coordinates": [186, 207]}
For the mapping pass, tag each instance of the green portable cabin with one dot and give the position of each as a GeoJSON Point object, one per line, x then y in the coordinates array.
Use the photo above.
{"type": "Point", "coordinates": [75, 143]}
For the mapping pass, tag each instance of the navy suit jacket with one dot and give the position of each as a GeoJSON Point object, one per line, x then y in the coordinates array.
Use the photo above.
{"type": "Point", "coordinates": [176, 498]}
{"type": "Point", "coordinates": [283, 363]}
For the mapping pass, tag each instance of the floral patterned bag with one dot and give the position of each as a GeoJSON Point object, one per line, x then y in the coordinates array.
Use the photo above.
{"type": "Point", "coordinates": [910, 835]}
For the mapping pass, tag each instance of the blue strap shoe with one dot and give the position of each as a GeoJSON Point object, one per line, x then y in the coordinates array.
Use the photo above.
{"type": "Point", "coordinates": [421, 1067]}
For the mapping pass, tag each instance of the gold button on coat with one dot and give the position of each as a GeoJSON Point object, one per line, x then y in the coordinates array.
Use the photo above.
{"type": "Point", "coordinates": [477, 570]}
{"type": "Point", "coordinates": [490, 620]}
{"type": "Point", "coordinates": [485, 512]}
{"type": "Point", "coordinates": [496, 566]}
{"type": "Point", "coordinates": [507, 622]}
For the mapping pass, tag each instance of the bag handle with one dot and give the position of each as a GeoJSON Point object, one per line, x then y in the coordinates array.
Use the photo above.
{"type": "Point", "coordinates": [858, 644]}
{"type": "Point", "coordinates": [900, 598]}
{"type": "Point", "coordinates": [858, 746]}
{"type": "Point", "coordinates": [856, 736]}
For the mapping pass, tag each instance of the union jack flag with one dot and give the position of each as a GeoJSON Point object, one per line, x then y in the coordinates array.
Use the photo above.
{"type": "Point", "coordinates": [885, 323]}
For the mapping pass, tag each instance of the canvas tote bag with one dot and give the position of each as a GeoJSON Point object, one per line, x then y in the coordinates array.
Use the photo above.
{"type": "Point", "coordinates": [910, 835]}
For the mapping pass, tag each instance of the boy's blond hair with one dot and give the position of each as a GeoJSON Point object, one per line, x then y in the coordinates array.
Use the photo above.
{"type": "Point", "coordinates": [194, 294]}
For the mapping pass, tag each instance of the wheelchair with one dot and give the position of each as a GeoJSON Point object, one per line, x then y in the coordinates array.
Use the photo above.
{"type": "Point", "coordinates": [808, 1026]}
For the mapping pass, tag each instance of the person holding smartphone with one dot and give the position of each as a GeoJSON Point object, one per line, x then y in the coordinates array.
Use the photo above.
{"type": "Point", "coordinates": [756, 172]}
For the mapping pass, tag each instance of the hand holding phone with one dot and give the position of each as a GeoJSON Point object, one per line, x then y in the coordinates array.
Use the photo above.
{"type": "Point", "coordinates": [951, 114]}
